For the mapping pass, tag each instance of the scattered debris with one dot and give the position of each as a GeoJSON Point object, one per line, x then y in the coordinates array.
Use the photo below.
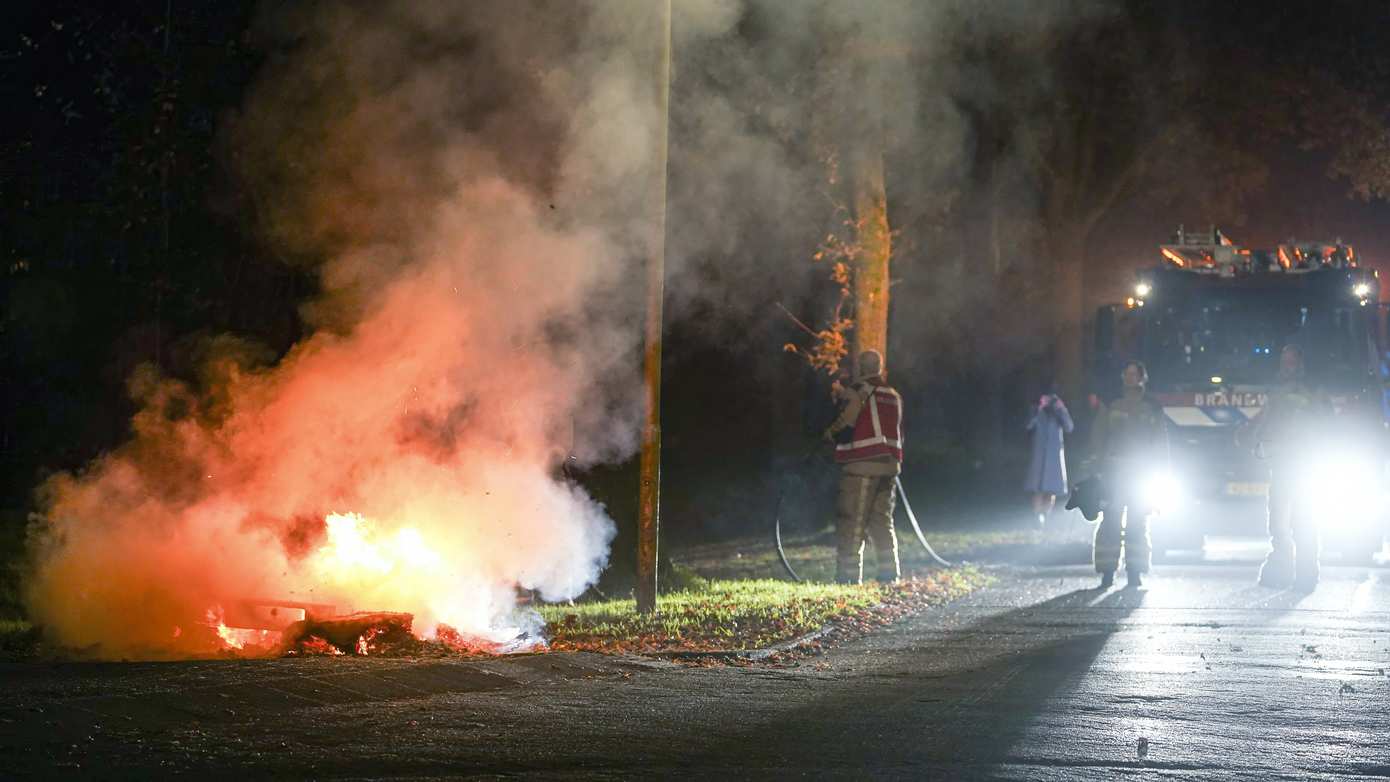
{"type": "Point", "coordinates": [1143, 746]}
{"type": "Point", "coordinates": [360, 633]}
{"type": "Point", "coordinates": [1346, 688]}
{"type": "Point", "coordinates": [313, 646]}
{"type": "Point", "coordinates": [1237, 648]}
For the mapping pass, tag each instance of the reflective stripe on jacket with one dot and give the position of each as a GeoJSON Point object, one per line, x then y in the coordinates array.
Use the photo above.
{"type": "Point", "coordinates": [877, 429]}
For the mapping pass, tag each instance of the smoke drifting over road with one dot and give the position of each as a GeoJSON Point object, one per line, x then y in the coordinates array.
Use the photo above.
{"type": "Point", "coordinates": [471, 183]}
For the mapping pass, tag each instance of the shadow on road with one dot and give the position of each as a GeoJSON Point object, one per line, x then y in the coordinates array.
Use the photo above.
{"type": "Point", "coordinates": [1050, 648]}
{"type": "Point", "coordinates": [959, 698]}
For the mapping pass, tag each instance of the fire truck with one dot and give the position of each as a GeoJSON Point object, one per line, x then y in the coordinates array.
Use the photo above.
{"type": "Point", "coordinates": [1209, 321]}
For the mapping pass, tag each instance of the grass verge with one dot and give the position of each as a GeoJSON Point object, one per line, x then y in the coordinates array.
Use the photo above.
{"type": "Point", "coordinates": [730, 615]}
{"type": "Point", "coordinates": [813, 554]}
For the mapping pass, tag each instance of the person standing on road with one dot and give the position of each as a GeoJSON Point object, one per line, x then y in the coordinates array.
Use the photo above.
{"type": "Point", "coordinates": [1290, 421]}
{"type": "Point", "coordinates": [1129, 440]}
{"type": "Point", "coordinates": [869, 449]}
{"type": "Point", "coordinates": [1047, 468]}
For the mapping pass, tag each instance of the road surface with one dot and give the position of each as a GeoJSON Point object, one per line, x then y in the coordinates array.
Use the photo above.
{"type": "Point", "coordinates": [1036, 677]}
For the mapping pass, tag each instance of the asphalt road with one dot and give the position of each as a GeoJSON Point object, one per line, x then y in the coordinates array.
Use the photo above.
{"type": "Point", "coordinates": [1037, 677]}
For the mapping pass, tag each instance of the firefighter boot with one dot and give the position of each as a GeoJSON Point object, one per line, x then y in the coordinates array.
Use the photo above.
{"type": "Point", "coordinates": [1306, 552]}
{"type": "Point", "coordinates": [851, 512]}
{"type": "Point", "coordinates": [1105, 553]}
{"type": "Point", "coordinates": [879, 529]}
{"type": "Point", "coordinates": [1278, 569]}
{"type": "Point", "coordinates": [1138, 548]}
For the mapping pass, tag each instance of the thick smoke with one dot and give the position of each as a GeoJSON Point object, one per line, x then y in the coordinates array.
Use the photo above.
{"type": "Point", "coordinates": [470, 182]}
{"type": "Point", "coordinates": [473, 183]}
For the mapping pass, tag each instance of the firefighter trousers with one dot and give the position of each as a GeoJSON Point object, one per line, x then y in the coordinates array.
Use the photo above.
{"type": "Point", "coordinates": [1293, 538]}
{"type": "Point", "coordinates": [1121, 530]}
{"type": "Point", "coordinates": [865, 512]}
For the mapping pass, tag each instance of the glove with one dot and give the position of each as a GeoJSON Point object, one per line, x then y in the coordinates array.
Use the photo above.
{"type": "Point", "coordinates": [1089, 497]}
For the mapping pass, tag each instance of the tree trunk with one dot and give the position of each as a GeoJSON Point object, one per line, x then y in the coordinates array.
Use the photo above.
{"type": "Point", "coordinates": [863, 140]}
{"type": "Point", "coordinates": [1069, 305]}
{"type": "Point", "coordinates": [871, 269]}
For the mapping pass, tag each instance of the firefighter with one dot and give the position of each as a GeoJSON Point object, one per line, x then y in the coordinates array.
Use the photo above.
{"type": "Point", "coordinates": [1282, 431]}
{"type": "Point", "coordinates": [868, 447]}
{"type": "Point", "coordinates": [1129, 440]}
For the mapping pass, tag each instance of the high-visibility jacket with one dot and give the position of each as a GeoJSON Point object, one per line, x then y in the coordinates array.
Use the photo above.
{"type": "Point", "coordinates": [1294, 419]}
{"type": "Point", "coordinates": [1130, 429]}
{"type": "Point", "coordinates": [877, 429]}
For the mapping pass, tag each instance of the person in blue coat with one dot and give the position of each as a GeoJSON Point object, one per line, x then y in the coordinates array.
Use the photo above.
{"type": "Point", "coordinates": [1047, 469]}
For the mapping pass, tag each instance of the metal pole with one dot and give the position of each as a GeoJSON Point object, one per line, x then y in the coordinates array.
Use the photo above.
{"type": "Point", "coordinates": [649, 494]}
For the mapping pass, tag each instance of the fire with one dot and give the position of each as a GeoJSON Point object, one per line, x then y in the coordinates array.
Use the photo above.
{"type": "Point", "coordinates": [248, 639]}
{"type": "Point", "coordinates": [352, 545]}
{"type": "Point", "coordinates": [349, 548]}
{"type": "Point", "coordinates": [239, 639]}
{"type": "Point", "coordinates": [384, 569]}
{"type": "Point", "coordinates": [357, 555]}
{"type": "Point", "coordinates": [381, 569]}
{"type": "Point", "coordinates": [229, 636]}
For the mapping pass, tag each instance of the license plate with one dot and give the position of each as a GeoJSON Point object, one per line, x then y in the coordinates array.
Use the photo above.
{"type": "Point", "coordinates": [1247, 489]}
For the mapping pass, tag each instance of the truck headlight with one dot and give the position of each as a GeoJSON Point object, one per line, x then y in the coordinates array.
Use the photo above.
{"type": "Point", "coordinates": [1343, 491]}
{"type": "Point", "coordinates": [1160, 490]}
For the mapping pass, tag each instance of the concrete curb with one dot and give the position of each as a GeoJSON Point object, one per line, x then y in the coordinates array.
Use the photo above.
{"type": "Point", "coordinates": [763, 653]}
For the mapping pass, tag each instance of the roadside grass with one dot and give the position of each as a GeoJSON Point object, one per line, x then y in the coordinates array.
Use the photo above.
{"type": "Point", "coordinates": [735, 595]}
{"type": "Point", "coordinates": [741, 614]}
{"type": "Point", "coordinates": [812, 555]}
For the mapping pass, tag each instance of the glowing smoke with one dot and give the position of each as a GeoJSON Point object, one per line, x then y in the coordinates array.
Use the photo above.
{"type": "Point", "coordinates": [467, 205]}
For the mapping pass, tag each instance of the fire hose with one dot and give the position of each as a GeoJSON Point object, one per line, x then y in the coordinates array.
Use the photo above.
{"type": "Point", "coordinates": [907, 507]}
{"type": "Point", "coordinates": [912, 517]}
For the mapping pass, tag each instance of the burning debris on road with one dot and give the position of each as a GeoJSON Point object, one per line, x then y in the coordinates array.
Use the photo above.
{"type": "Point", "coordinates": [361, 633]}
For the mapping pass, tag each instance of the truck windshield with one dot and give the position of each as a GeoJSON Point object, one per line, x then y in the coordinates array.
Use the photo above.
{"type": "Point", "coordinates": [1238, 338]}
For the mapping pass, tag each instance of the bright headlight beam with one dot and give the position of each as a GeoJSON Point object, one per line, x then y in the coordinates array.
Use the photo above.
{"type": "Point", "coordinates": [1361, 290]}
{"type": "Point", "coordinates": [1160, 491]}
{"type": "Point", "coordinates": [1343, 491]}
{"type": "Point", "coordinates": [1143, 289]}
